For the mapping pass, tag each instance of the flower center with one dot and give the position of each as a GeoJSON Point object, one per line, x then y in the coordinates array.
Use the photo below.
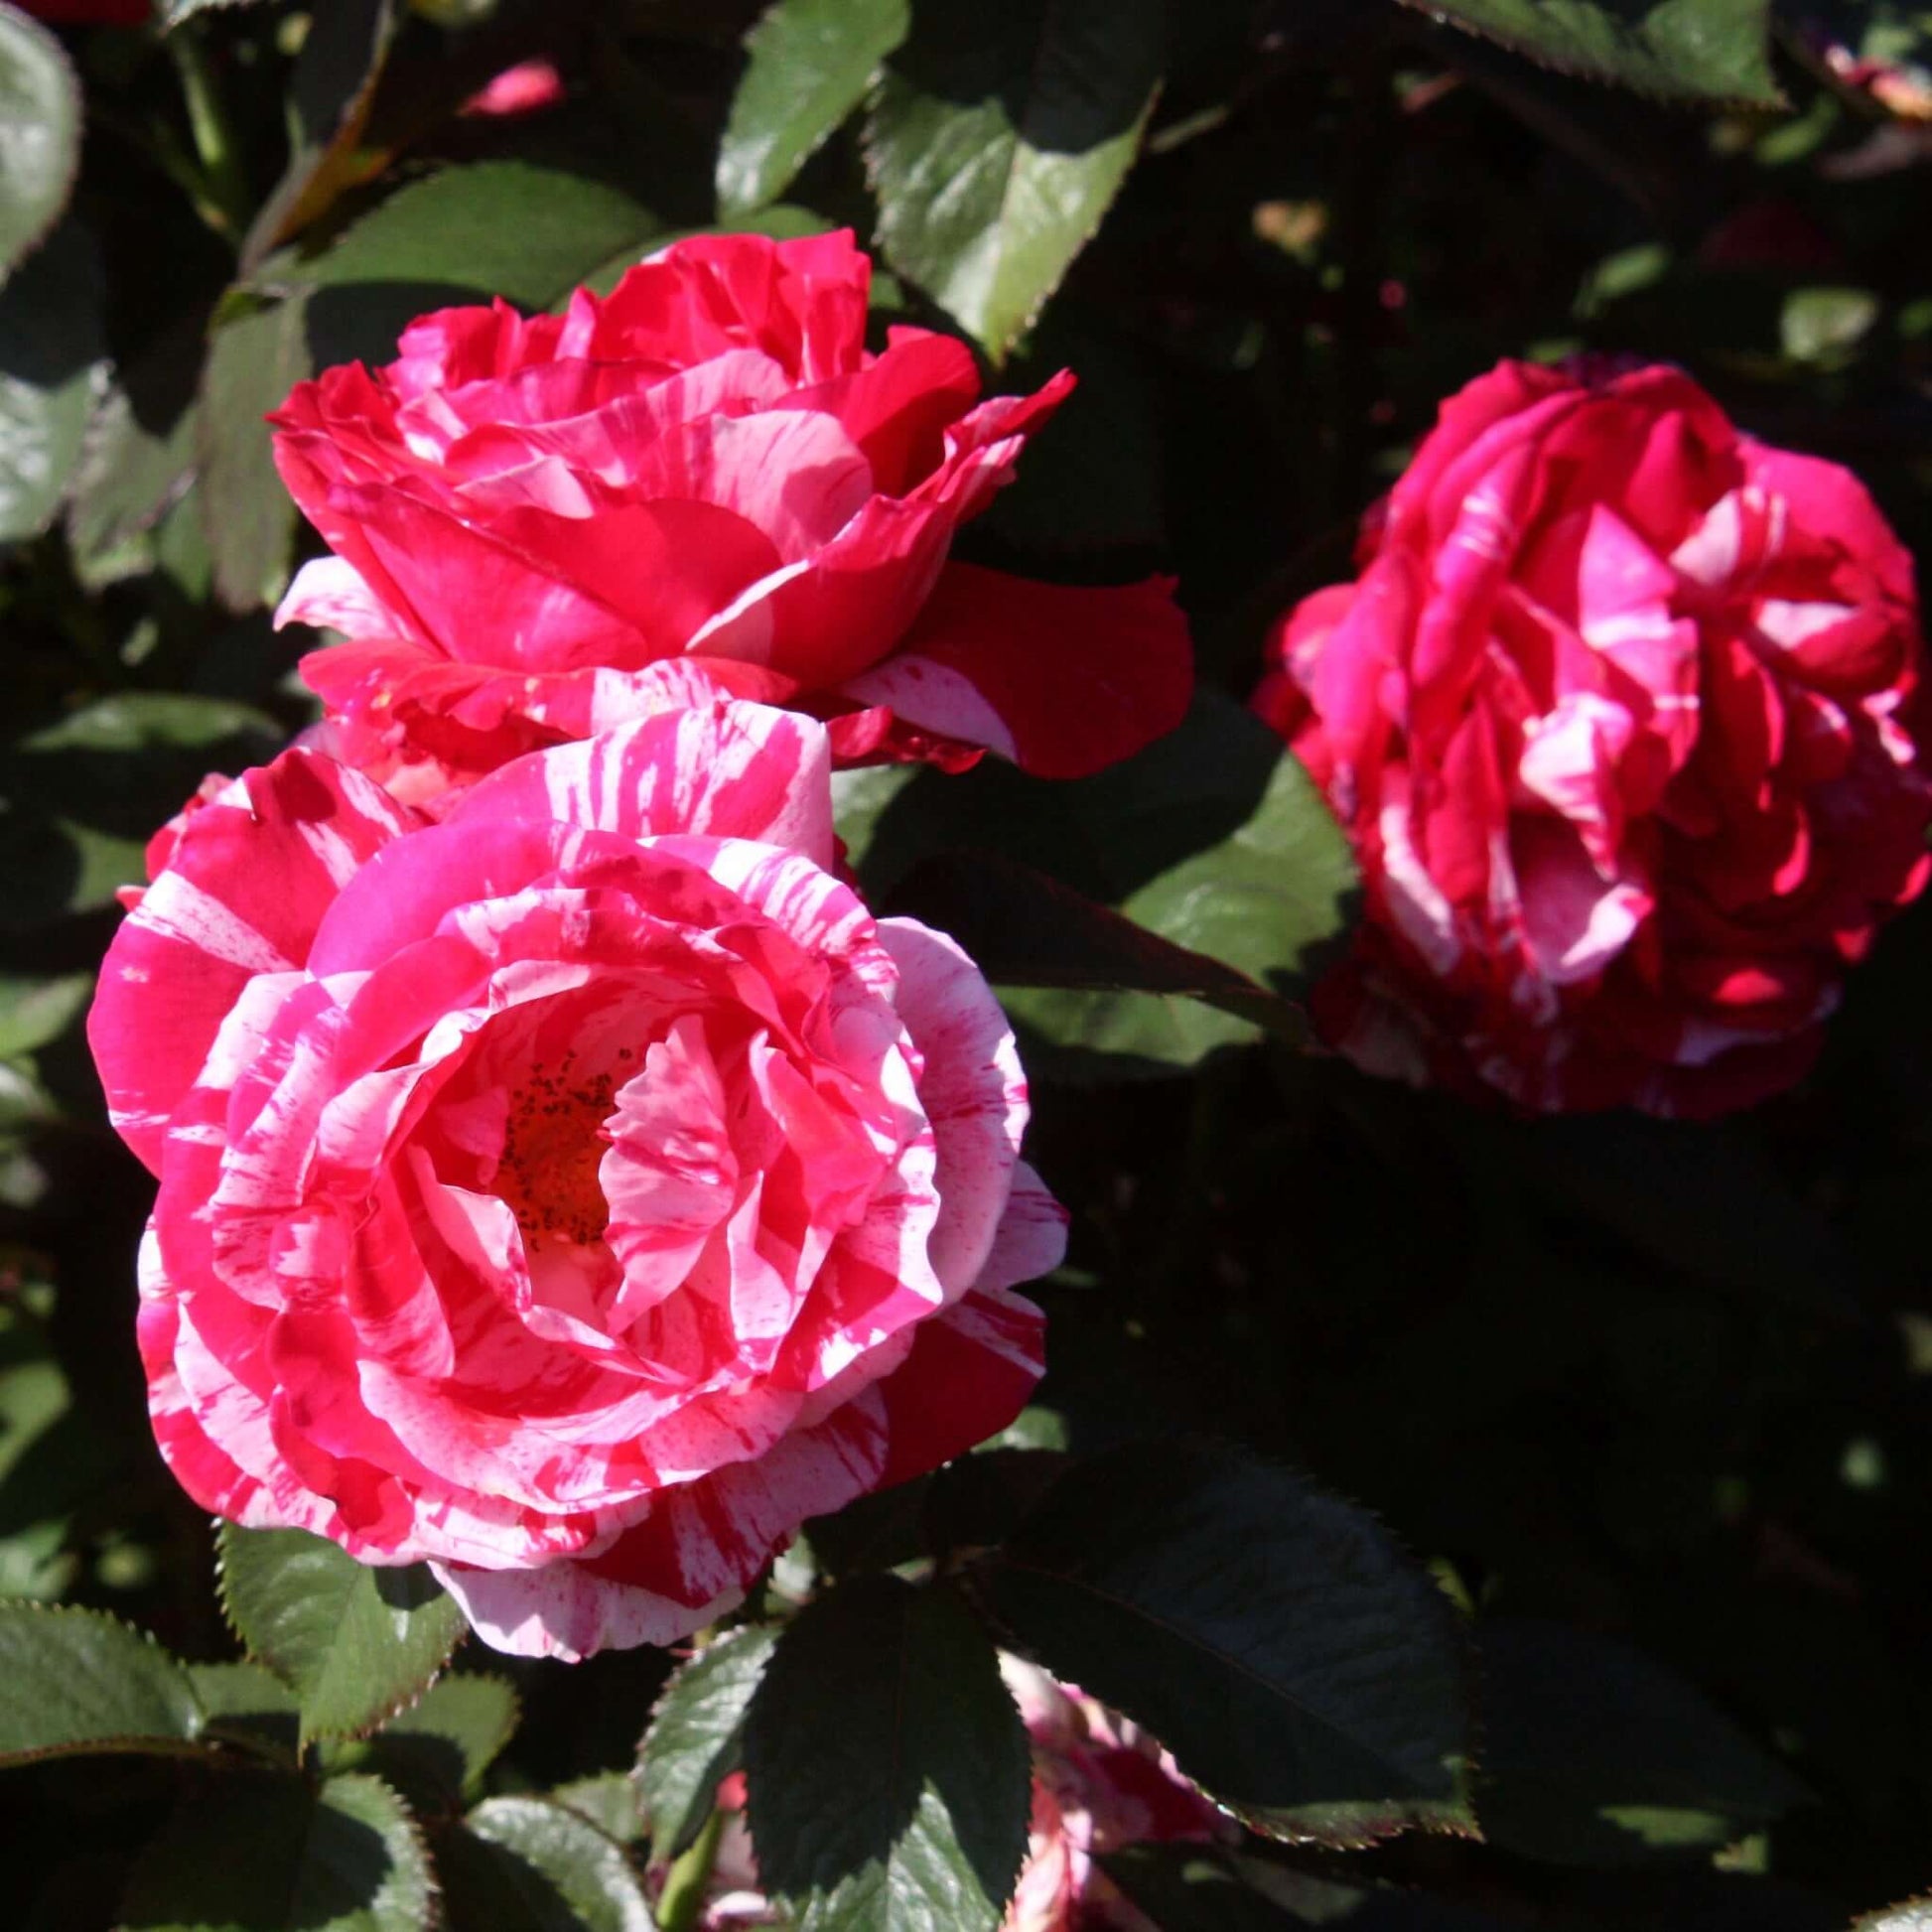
{"type": "Point", "coordinates": [553, 1145]}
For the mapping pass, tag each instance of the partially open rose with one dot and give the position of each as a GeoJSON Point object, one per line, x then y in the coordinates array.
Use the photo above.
{"type": "Point", "coordinates": [577, 1193]}
{"type": "Point", "coordinates": [1618, 714]}
{"type": "Point", "coordinates": [706, 466]}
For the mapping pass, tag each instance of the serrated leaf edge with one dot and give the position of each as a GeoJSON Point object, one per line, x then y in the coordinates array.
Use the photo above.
{"type": "Point", "coordinates": [735, 211]}
{"type": "Point", "coordinates": [145, 1747]}
{"type": "Point", "coordinates": [1258, 1819]}
{"type": "Point", "coordinates": [1575, 71]}
{"type": "Point", "coordinates": [743, 1634]}
{"type": "Point", "coordinates": [998, 352]}
{"type": "Point", "coordinates": [445, 1675]}
{"type": "Point", "coordinates": [1885, 1916]}
{"type": "Point", "coordinates": [411, 1824]}
{"type": "Point", "coordinates": [326, 1733]}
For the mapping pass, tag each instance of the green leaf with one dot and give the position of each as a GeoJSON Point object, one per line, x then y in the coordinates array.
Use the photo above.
{"type": "Point", "coordinates": [696, 1733]}
{"type": "Point", "coordinates": [270, 1855]}
{"type": "Point", "coordinates": [356, 1644]}
{"type": "Point", "coordinates": [34, 1012]}
{"type": "Point", "coordinates": [39, 133]}
{"type": "Point", "coordinates": [808, 65]}
{"type": "Point", "coordinates": [85, 793]}
{"type": "Point", "coordinates": [1913, 1916]}
{"type": "Point", "coordinates": [525, 1864]}
{"type": "Point", "coordinates": [495, 228]}
{"type": "Point", "coordinates": [51, 367]}
{"type": "Point", "coordinates": [246, 1702]}
{"type": "Point", "coordinates": [137, 461]}
{"type": "Point", "coordinates": [50, 1461]}
{"type": "Point", "coordinates": [1299, 1665]}
{"type": "Point", "coordinates": [80, 1681]}
{"type": "Point", "coordinates": [154, 722]}
{"type": "Point", "coordinates": [436, 1752]}
{"type": "Point", "coordinates": [1025, 929]}
{"type": "Point", "coordinates": [1595, 1754]}
{"type": "Point", "coordinates": [1000, 134]}
{"type": "Point", "coordinates": [1701, 48]}
{"type": "Point", "coordinates": [246, 513]}
{"type": "Point", "coordinates": [611, 1801]}
{"type": "Point", "coordinates": [1212, 838]}
{"type": "Point", "coordinates": [1825, 326]}
{"type": "Point", "coordinates": [887, 1770]}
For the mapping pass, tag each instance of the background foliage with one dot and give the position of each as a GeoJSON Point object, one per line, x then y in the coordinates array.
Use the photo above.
{"type": "Point", "coordinates": [1517, 1524]}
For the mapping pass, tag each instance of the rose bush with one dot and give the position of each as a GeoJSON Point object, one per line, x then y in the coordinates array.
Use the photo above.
{"type": "Point", "coordinates": [706, 464]}
{"type": "Point", "coordinates": [576, 1194]}
{"type": "Point", "coordinates": [1619, 715]}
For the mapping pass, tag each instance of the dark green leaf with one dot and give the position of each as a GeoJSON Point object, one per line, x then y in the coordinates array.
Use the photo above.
{"type": "Point", "coordinates": [79, 1681]}
{"type": "Point", "coordinates": [1214, 840]}
{"type": "Point", "coordinates": [356, 1644]}
{"type": "Point", "coordinates": [886, 1772]}
{"type": "Point", "coordinates": [248, 516]}
{"type": "Point", "coordinates": [436, 1752]}
{"type": "Point", "coordinates": [496, 227]}
{"type": "Point", "coordinates": [39, 133]}
{"type": "Point", "coordinates": [270, 1855]}
{"type": "Point", "coordinates": [809, 62]}
{"type": "Point", "coordinates": [1182, 1888]}
{"type": "Point", "coordinates": [1595, 1754]}
{"type": "Point", "coordinates": [696, 1733]}
{"type": "Point", "coordinates": [1274, 1637]}
{"type": "Point", "coordinates": [1025, 930]}
{"type": "Point", "coordinates": [1000, 134]}
{"type": "Point", "coordinates": [51, 368]}
{"type": "Point", "coordinates": [525, 1865]}
{"type": "Point", "coordinates": [1708, 1202]}
{"type": "Point", "coordinates": [91, 789]}
{"type": "Point", "coordinates": [247, 1703]}
{"type": "Point", "coordinates": [1717, 49]}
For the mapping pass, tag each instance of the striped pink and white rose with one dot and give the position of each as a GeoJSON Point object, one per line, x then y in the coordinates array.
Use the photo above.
{"type": "Point", "coordinates": [575, 1194]}
{"type": "Point", "coordinates": [1625, 716]}
{"type": "Point", "coordinates": [706, 468]}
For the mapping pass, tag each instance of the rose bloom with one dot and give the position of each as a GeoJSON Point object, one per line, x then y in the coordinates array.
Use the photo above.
{"type": "Point", "coordinates": [1100, 1784]}
{"type": "Point", "coordinates": [1618, 716]}
{"type": "Point", "coordinates": [576, 1194]}
{"type": "Point", "coordinates": [706, 464]}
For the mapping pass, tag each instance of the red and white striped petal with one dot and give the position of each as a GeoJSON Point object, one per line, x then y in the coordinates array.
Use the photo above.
{"type": "Point", "coordinates": [246, 887]}
{"type": "Point", "coordinates": [723, 769]}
